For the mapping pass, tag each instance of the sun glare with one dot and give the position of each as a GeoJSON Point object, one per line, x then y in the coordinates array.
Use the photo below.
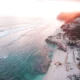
{"type": "Point", "coordinates": [31, 8]}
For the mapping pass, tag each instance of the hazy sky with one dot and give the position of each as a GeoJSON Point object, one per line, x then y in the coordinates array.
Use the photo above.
{"type": "Point", "coordinates": [36, 8]}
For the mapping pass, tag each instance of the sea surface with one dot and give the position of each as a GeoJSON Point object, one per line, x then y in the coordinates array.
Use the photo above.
{"type": "Point", "coordinates": [22, 46]}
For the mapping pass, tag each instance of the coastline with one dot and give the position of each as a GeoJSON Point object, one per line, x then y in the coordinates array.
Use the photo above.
{"type": "Point", "coordinates": [68, 67]}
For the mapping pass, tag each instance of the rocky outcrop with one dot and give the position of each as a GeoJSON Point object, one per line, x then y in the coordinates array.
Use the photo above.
{"type": "Point", "coordinates": [56, 40]}
{"type": "Point", "coordinates": [42, 64]}
{"type": "Point", "coordinates": [67, 41]}
{"type": "Point", "coordinates": [69, 35]}
{"type": "Point", "coordinates": [72, 31]}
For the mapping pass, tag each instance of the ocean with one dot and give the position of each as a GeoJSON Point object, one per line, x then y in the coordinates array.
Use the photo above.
{"type": "Point", "coordinates": [24, 54]}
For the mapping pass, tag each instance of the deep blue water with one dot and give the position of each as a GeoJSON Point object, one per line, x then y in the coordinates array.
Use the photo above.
{"type": "Point", "coordinates": [24, 54]}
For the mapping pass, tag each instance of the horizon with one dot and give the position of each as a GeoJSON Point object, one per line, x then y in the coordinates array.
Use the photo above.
{"type": "Point", "coordinates": [42, 9]}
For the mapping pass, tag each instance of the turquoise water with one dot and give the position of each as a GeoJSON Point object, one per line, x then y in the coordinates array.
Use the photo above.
{"type": "Point", "coordinates": [24, 55]}
{"type": "Point", "coordinates": [39, 77]}
{"type": "Point", "coordinates": [22, 66]}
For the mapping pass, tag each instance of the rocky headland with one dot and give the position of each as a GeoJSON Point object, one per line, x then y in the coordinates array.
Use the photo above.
{"type": "Point", "coordinates": [66, 59]}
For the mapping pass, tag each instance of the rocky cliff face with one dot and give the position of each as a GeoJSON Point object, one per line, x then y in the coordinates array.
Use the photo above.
{"type": "Point", "coordinates": [72, 31]}
{"type": "Point", "coordinates": [69, 35]}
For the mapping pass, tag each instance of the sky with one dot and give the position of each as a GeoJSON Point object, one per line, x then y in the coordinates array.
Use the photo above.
{"type": "Point", "coordinates": [45, 9]}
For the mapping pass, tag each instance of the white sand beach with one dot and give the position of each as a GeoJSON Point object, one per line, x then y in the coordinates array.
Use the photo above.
{"type": "Point", "coordinates": [67, 68]}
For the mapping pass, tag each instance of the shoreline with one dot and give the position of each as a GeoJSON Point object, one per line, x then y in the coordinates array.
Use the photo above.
{"type": "Point", "coordinates": [64, 71]}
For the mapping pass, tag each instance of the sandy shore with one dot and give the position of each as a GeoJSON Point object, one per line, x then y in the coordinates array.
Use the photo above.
{"type": "Point", "coordinates": [68, 66]}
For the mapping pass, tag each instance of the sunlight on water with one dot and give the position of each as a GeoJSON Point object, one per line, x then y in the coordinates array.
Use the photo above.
{"type": "Point", "coordinates": [24, 54]}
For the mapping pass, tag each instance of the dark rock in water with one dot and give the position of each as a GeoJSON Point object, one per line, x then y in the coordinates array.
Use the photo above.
{"type": "Point", "coordinates": [41, 61]}
{"type": "Point", "coordinates": [42, 64]}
